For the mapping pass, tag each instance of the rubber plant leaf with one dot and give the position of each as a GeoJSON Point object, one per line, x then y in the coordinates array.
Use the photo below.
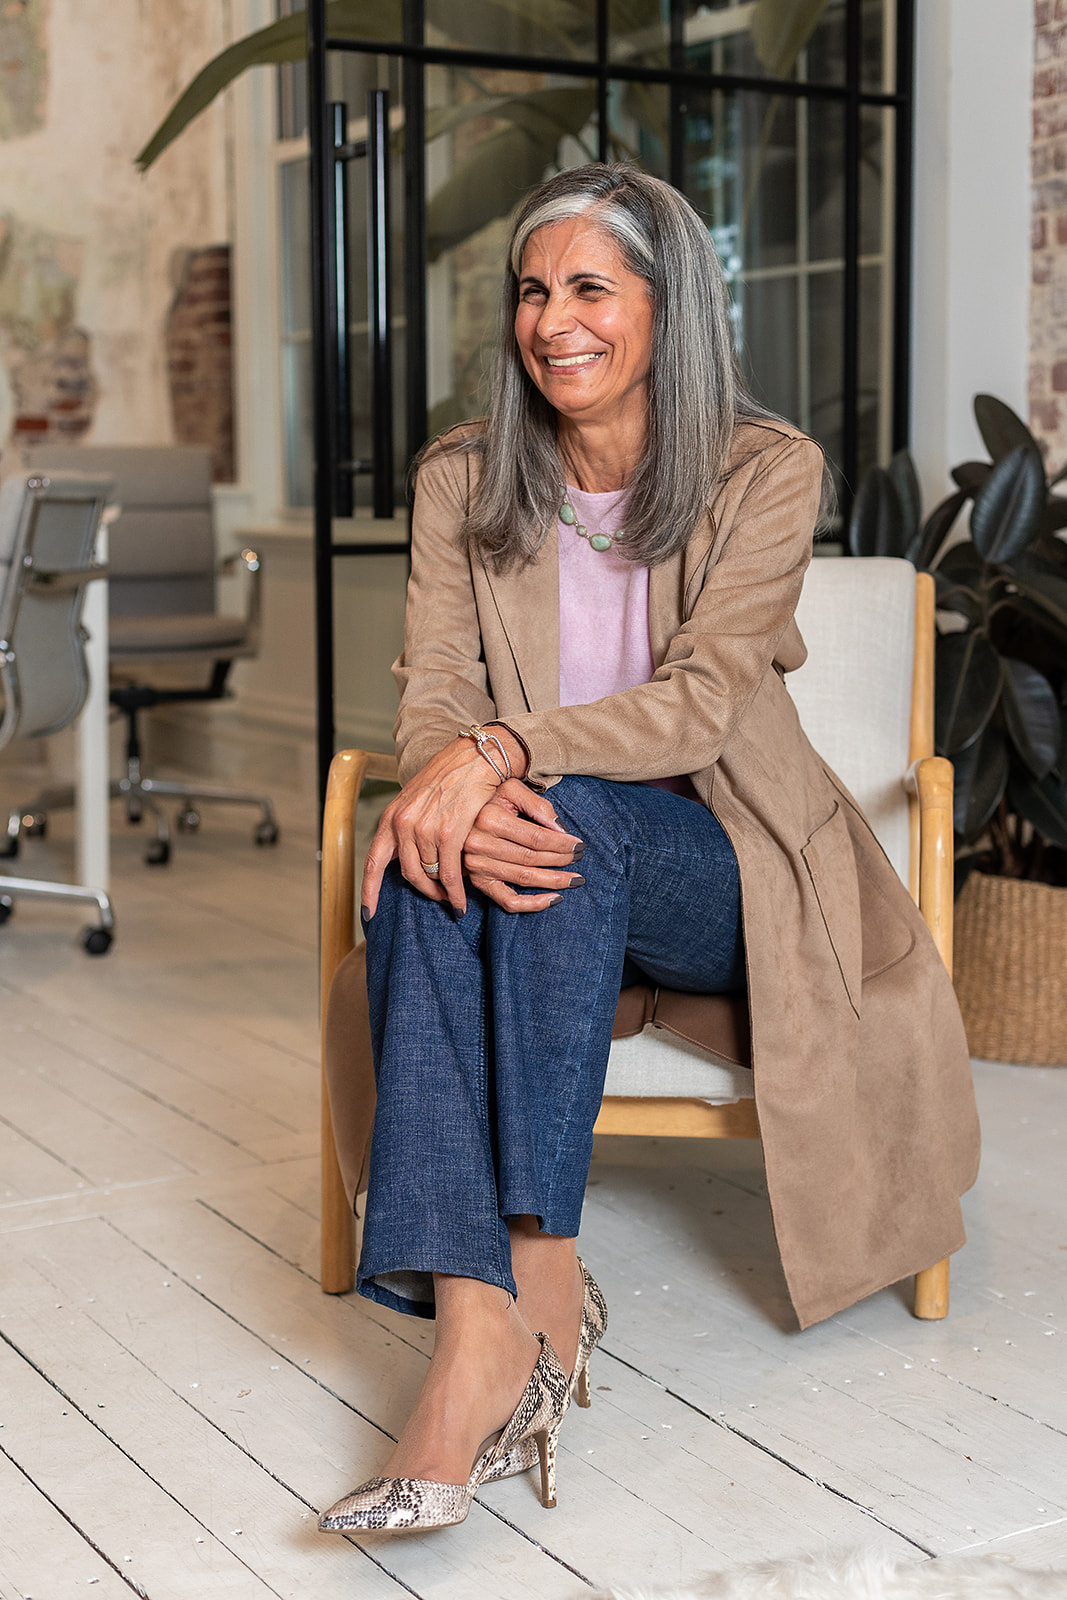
{"type": "Point", "coordinates": [281, 41]}
{"type": "Point", "coordinates": [905, 480]}
{"type": "Point", "coordinates": [962, 563]}
{"type": "Point", "coordinates": [967, 686]}
{"type": "Point", "coordinates": [958, 597]}
{"type": "Point", "coordinates": [1048, 627]}
{"type": "Point", "coordinates": [1002, 431]}
{"type": "Point", "coordinates": [1046, 592]}
{"type": "Point", "coordinates": [877, 526]}
{"type": "Point", "coordinates": [1032, 714]}
{"type": "Point", "coordinates": [1007, 512]}
{"type": "Point", "coordinates": [1055, 516]}
{"type": "Point", "coordinates": [971, 475]}
{"type": "Point", "coordinates": [500, 169]}
{"type": "Point", "coordinates": [1043, 804]}
{"type": "Point", "coordinates": [781, 28]}
{"type": "Point", "coordinates": [981, 778]}
{"type": "Point", "coordinates": [936, 529]}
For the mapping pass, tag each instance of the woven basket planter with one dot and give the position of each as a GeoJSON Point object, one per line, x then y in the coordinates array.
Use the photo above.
{"type": "Point", "coordinates": [1011, 969]}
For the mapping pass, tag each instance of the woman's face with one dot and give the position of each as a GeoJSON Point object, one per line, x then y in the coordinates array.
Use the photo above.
{"type": "Point", "coordinates": [584, 324]}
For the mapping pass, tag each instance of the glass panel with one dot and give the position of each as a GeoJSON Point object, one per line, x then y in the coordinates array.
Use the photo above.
{"type": "Point", "coordinates": [766, 174]}
{"type": "Point", "coordinates": [564, 30]}
{"type": "Point", "coordinates": [349, 74]}
{"type": "Point", "coordinates": [732, 36]}
{"type": "Point", "coordinates": [296, 305]}
{"type": "Point", "coordinates": [875, 429]}
{"type": "Point", "coordinates": [878, 28]}
{"type": "Point", "coordinates": [490, 137]}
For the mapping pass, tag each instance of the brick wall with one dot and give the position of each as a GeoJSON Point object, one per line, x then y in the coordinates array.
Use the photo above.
{"type": "Point", "coordinates": [199, 356]}
{"type": "Point", "coordinates": [1048, 302]}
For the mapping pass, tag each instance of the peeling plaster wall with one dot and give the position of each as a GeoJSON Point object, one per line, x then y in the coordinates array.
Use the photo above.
{"type": "Point", "coordinates": [86, 280]}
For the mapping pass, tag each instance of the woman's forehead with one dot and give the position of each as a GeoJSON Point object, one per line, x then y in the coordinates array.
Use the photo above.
{"type": "Point", "coordinates": [574, 243]}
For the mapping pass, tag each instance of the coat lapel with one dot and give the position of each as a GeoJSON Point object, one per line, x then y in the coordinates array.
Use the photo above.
{"type": "Point", "coordinates": [527, 603]}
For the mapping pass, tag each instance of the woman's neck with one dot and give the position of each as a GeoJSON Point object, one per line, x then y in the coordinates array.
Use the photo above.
{"type": "Point", "coordinates": [594, 459]}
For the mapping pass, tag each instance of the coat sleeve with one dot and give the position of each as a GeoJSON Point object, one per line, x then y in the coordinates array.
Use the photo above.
{"type": "Point", "coordinates": [680, 721]}
{"type": "Point", "coordinates": [441, 673]}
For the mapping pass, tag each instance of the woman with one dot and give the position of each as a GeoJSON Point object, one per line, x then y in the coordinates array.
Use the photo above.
{"type": "Point", "coordinates": [599, 760]}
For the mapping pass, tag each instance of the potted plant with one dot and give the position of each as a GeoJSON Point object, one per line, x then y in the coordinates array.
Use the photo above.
{"type": "Point", "coordinates": [999, 715]}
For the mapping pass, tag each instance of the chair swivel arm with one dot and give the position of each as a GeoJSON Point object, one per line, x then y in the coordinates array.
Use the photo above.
{"type": "Point", "coordinates": [254, 608]}
{"type": "Point", "coordinates": [64, 580]}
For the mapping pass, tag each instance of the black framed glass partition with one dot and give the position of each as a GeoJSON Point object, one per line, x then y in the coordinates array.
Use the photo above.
{"type": "Point", "coordinates": [787, 126]}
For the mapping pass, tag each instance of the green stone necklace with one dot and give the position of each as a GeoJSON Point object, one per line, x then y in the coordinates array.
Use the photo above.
{"type": "Point", "coordinates": [599, 541]}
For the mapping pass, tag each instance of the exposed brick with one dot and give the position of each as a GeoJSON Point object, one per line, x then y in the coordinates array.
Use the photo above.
{"type": "Point", "coordinates": [199, 358]}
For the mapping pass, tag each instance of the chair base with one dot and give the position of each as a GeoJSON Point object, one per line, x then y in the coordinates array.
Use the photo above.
{"type": "Point", "coordinates": [144, 794]}
{"type": "Point", "coordinates": [97, 939]}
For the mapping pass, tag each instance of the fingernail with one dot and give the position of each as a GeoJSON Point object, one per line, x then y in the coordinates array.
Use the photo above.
{"type": "Point", "coordinates": [555, 900]}
{"type": "Point", "coordinates": [576, 882]}
{"type": "Point", "coordinates": [579, 852]}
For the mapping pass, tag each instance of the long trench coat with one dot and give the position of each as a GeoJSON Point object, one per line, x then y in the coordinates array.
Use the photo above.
{"type": "Point", "coordinates": [861, 1071]}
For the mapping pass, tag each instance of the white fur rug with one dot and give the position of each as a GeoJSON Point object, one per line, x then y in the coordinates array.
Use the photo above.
{"type": "Point", "coordinates": [868, 1576]}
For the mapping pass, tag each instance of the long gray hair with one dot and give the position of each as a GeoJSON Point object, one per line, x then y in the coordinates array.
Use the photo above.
{"type": "Point", "coordinates": [696, 392]}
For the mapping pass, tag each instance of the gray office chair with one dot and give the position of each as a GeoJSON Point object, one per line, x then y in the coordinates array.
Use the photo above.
{"type": "Point", "coordinates": [163, 571]}
{"type": "Point", "coordinates": [48, 531]}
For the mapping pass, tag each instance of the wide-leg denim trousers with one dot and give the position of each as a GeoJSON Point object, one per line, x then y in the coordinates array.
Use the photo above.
{"type": "Point", "coordinates": [491, 1031]}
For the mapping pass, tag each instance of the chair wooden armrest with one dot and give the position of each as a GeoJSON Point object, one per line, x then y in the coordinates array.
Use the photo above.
{"type": "Point", "coordinates": [338, 934]}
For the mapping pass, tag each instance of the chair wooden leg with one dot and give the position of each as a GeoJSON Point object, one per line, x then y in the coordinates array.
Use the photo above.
{"type": "Point", "coordinates": [931, 1292]}
{"type": "Point", "coordinates": [338, 1267]}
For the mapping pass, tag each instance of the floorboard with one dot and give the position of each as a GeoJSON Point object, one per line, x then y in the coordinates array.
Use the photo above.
{"type": "Point", "coordinates": [172, 1374]}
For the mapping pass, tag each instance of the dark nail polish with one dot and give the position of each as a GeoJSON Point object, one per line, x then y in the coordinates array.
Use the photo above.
{"type": "Point", "coordinates": [579, 852]}
{"type": "Point", "coordinates": [555, 900]}
{"type": "Point", "coordinates": [576, 882]}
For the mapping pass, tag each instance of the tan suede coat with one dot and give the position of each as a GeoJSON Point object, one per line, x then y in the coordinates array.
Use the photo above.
{"type": "Point", "coordinates": [862, 1078]}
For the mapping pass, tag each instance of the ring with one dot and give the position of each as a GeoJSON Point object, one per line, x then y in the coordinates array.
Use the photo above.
{"type": "Point", "coordinates": [431, 868]}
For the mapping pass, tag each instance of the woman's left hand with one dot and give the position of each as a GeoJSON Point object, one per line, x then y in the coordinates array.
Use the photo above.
{"type": "Point", "coordinates": [504, 849]}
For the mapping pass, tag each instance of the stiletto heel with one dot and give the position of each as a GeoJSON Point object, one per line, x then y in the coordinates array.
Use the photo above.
{"type": "Point", "coordinates": [594, 1326]}
{"type": "Point", "coordinates": [387, 1504]}
{"type": "Point", "coordinates": [546, 1450]}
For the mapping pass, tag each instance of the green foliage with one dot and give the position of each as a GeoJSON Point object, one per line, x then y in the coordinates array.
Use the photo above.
{"type": "Point", "coordinates": [1000, 710]}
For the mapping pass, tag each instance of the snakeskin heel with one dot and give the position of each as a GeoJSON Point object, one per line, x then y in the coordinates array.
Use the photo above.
{"type": "Point", "coordinates": [594, 1326]}
{"type": "Point", "coordinates": [389, 1504]}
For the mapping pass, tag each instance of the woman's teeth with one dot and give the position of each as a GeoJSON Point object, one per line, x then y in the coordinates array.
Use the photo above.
{"type": "Point", "coordinates": [574, 361]}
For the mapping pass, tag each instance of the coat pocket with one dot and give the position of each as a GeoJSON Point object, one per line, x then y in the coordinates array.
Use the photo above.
{"type": "Point", "coordinates": [832, 868]}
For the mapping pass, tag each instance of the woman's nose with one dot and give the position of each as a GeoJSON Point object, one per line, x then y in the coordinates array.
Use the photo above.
{"type": "Point", "coordinates": [556, 317]}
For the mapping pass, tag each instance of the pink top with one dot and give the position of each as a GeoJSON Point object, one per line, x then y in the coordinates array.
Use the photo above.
{"type": "Point", "coordinates": [604, 641]}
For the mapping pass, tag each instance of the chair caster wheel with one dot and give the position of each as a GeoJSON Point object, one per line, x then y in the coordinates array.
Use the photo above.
{"type": "Point", "coordinates": [6, 908]}
{"type": "Point", "coordinates": [36, 828]}
{"type": "Point", "coordinates": [266, 833]}
{"type": "Point", "coordinates": [9, 848]}
{"type": "Point", "coordinates": [97, 941]}
{"type": "Point", "coordinates": [158, 853]}
{"type": "Point", "coordinates": [133, 813]}
{"type": "Point", "coordinates": [188, 820]}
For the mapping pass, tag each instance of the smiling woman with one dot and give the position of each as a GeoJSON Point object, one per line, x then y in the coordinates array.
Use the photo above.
{"type": "Point", "coordinates": [608, 691]}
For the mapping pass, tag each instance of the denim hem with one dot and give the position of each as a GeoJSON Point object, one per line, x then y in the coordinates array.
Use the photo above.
{"type": "Point", "coordinates": [368, 1286]}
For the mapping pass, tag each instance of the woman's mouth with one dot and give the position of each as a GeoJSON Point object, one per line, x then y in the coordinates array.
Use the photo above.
{"type": "Point", "coordinates": [574, 361]}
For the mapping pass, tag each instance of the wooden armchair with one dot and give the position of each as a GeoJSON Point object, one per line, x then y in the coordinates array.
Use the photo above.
{"type": "Point", "coordinates": [865, 698]}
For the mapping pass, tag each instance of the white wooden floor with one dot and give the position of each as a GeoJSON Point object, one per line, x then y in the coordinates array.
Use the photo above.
{"type": "Point", "coordinates": [177, 1398]}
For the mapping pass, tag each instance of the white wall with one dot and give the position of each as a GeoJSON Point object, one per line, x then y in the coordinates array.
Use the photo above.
{"type": "Point", "coordinates": [971, 258]}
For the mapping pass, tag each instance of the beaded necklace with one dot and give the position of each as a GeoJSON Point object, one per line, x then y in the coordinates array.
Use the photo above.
{"type": "Point", "coordinates": [599, 541]}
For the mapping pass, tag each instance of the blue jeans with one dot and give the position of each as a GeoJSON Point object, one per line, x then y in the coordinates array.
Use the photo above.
{"type": "Point", "coordinates": [491, 1031]}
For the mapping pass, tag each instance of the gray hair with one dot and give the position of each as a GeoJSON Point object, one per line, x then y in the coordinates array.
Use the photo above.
{"type": "Point", "coordinates": [696, 392]}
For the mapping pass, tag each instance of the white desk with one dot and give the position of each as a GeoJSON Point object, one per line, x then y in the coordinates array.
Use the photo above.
{"type": "Point", "coordinates": [92, 781]}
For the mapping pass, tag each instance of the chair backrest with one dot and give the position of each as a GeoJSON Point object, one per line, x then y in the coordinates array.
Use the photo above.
{"type": "Point", "coordinates": [48, 526]}
{"type": "Point", "coordinates": [162, 546]}
{"type": "Point", "coordinates": [853, 693]}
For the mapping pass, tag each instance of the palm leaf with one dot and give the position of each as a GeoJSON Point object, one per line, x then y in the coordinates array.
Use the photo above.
{"type": "Point", "coordinates": [781, 28]}
{"type": "Point", "coordinates": [501, 168]}
{"type": "Point", "coordinates": [284, 40]}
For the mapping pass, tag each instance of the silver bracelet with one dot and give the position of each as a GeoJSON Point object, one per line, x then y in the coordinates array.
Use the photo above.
{"type": "Point", "coordinates": [482, 737]}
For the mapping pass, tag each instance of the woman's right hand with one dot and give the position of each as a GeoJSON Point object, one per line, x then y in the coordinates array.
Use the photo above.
{"type": "Point", "coordinates": [518, 842]}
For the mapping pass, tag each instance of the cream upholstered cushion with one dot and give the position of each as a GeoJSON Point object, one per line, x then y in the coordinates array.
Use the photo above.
{"type": "Point", "coordinates": [853, 695]}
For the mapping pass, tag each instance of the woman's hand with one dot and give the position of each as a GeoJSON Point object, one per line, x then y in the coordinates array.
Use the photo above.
{"type": "Point", "coordinates": [429, 822]}
{"type": "Point", "coordinates": [505, 849]}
